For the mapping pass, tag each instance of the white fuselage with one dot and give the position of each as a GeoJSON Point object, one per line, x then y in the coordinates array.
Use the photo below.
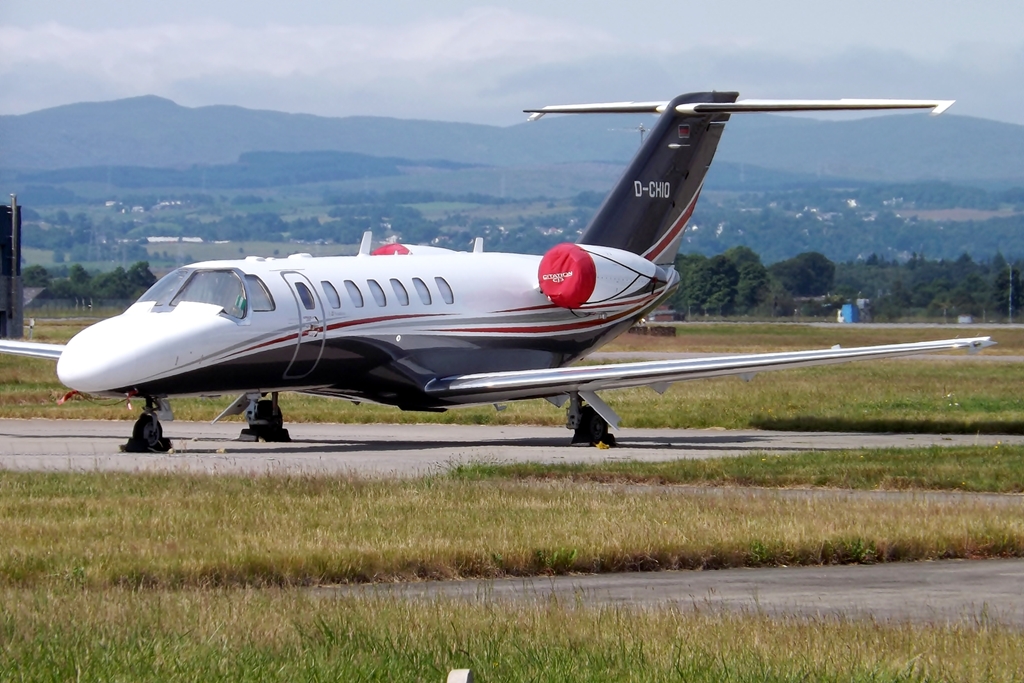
{"type": "Point", "coordinates": [374, 328]}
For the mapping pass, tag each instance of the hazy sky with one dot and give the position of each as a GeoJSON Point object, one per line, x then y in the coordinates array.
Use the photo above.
{"type": "Point", "coordinates": [464, 61]}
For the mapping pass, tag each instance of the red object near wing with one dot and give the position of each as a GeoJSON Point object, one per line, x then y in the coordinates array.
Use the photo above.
{"type": "Point", "coordinates": [567, 275]}
{"type": "Point", "coordinates": [390, 250]}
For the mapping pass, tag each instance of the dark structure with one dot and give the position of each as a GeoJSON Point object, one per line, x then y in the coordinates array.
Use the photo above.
{"type": "Point", "coordinates": [11, 305]}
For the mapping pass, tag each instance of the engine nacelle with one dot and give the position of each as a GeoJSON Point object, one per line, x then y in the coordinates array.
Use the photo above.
{"type": "Point", "coordinates": [576, 275]}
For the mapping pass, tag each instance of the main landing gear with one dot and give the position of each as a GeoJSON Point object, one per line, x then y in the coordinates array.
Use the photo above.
{"type": "Point", "coordinates": [266, 423]}
{"type": "Point", "coordinates": [148, 434]}
{"type": "Point", "coordinates": [263, 415]}
{"type": "Point", "coordinates": [587, 425]}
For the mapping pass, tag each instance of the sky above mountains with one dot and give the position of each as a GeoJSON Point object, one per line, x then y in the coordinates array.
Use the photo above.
{"type": "Point", "coordinates": [459, 61]}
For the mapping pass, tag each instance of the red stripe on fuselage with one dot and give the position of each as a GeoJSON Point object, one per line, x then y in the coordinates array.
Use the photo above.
{"type": "Point", "coordinates": [655, 252]}
{"type": "Point", "coordinates": [564, 327]}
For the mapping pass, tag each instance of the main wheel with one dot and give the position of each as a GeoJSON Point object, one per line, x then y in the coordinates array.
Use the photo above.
{"type": "Point", "coordinates": [593, 426]}
{"type": "Point", "coordinates": [148, 431]}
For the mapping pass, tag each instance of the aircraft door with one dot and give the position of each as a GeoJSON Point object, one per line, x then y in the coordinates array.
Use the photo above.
{"type": "Point", "coordinates": [312, 332]}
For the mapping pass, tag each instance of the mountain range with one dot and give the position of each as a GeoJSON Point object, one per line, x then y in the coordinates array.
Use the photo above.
{"type": "Point", "coordinates": [158, 133]}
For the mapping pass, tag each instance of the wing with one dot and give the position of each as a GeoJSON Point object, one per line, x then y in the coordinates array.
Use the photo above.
{"type": "Point", "coordinates": [491, 387]}
{"type": "Point", "coordinates": [31, 349]}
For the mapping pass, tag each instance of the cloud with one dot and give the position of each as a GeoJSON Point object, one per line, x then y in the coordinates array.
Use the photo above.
{"type": "Point", "coordinates": [145, 59]}
{"type": "Point", "coordinates": [484, 65]}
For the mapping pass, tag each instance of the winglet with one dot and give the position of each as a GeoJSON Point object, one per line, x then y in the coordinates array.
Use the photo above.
{"type": "Point", "coordinates": [975, 345]}
{"type": "Point", "coordinates": [366, 244]}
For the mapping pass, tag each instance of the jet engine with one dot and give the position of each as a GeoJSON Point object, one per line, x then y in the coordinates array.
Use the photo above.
{"type": "Point", "coordinates": [577, 275]}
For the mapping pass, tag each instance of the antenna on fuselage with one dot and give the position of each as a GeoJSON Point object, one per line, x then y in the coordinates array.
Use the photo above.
{"type": "Point", "coordinates": [478, 245]}
{"type": "Point", "coordinates": [366, 244]}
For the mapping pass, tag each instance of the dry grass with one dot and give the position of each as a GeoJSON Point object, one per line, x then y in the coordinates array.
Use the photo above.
{"type": "Point", "coordinates": [147, 530]}
{"type": "Point", "coordinates": [288, 635]}
{"type": "Point", "coordinates": [996, 469]}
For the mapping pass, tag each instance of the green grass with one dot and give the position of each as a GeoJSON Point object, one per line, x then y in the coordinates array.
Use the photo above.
{"type": "Point", "coordinates": [273, 635]}
{"type": "Point", "coordinates": [718, 337]}
{"type": "Point", "coordinates": [997, 469]}
{"type": "Point", "coordinates": [102, 530]}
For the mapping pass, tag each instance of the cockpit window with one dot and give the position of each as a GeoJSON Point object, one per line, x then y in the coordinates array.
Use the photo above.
{"type": "Point", "coordinates": [165, 287]}
{"type": "Point", "coordinates": [219, 287]}
{"type": "Point", "coordinates": [259, 296]}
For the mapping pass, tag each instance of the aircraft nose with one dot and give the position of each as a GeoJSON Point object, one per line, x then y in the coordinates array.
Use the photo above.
{"type": "Point", "coordinates": [98, 359]}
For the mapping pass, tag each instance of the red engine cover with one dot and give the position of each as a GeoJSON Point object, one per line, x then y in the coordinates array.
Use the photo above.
{"type": "Point", "coordinates": [391, 249]}
{"type": "Point", "coordinates": [567, 275]}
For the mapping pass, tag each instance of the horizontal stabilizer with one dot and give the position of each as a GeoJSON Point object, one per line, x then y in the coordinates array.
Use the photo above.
{"type": "Point", "coordinates": [742, 106]}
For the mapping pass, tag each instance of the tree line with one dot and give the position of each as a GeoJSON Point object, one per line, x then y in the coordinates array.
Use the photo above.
{"type": "Point", "coordinates": [78, 283]}
{"type": "Point", "coordinates": [737, 283]}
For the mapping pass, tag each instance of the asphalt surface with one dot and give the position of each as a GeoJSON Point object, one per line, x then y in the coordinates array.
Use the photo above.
{"type": "Point", "coordinates": [400, 450]}
{"type": "Point", "coordinates": [975, 591]}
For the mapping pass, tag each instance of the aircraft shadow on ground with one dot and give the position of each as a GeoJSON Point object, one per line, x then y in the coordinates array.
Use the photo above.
{"type": "Point", "coordinates": [898, 426]}
{"type": "Point", "coordinates": [456, 448]}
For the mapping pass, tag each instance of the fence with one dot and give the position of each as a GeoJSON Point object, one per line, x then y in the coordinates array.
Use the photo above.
{"type": "Point", "coordinates": [76, 308]}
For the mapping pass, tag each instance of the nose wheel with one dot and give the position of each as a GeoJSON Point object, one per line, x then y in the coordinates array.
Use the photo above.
{"type": "Point", "coordinates": [148, 433]}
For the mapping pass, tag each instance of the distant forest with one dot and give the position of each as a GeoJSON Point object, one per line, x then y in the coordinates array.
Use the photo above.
{"type": "Point", "coordinates": [736, 283]}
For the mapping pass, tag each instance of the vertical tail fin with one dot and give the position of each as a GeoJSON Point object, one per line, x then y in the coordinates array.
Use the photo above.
{"type": "Point", "coordinates": [647, 210]}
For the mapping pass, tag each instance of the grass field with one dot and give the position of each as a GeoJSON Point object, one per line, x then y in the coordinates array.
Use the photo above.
{"type": "Point", "coordinates": [290, 635]}
{"type": "Point", "coordinates": [101, 530]}
{"type": "Point", "coordinates": [763, 337]}
{"type": "Point", "coordinates": [177, 577]}
{"type": "Point", "coordinates": [998, 469]}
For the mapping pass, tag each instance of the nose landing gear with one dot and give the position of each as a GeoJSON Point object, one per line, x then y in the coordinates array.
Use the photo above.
{"type": "Point", "coordinates": [148, 434]}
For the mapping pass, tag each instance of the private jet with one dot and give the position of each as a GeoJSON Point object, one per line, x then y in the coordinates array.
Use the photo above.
{"type": "Point", "coordinates": [430, 329]}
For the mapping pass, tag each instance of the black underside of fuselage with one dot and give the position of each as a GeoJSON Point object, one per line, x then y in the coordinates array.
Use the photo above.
{"type": "Point", "coordinates": [380, 369]}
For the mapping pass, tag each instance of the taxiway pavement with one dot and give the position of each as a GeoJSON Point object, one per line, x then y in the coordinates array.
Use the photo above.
{"type": "Point", "coordinates": [975, 591]}
{"type": "Point", "coordinates": [400, 450]}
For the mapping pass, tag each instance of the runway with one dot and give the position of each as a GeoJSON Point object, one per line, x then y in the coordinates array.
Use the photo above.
{"type": "Point", "coordinates": [975, 591]}
{"type": "Point", "coordinates": [400, 450]}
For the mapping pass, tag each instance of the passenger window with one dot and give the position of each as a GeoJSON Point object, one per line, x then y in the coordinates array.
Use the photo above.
{"type": "Point", "coordinates": [422, 290]}
{"type": "Point", "coordinates": [305, 296]}
{"type": "Point", "coordinates": [354, 293]}
{"type": "Point", "coordinates": [377, 292]}
{"type": "Point", "coordinates": [332, 294]}
{"type": "Point", "coordinates": [400, 292]}
{"type": "Point", "coordinates": [445, 289]}
{"type": "Point", "coordinates": [259, 296]}
{"type": "Point", "coordinates": [218, 287]}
